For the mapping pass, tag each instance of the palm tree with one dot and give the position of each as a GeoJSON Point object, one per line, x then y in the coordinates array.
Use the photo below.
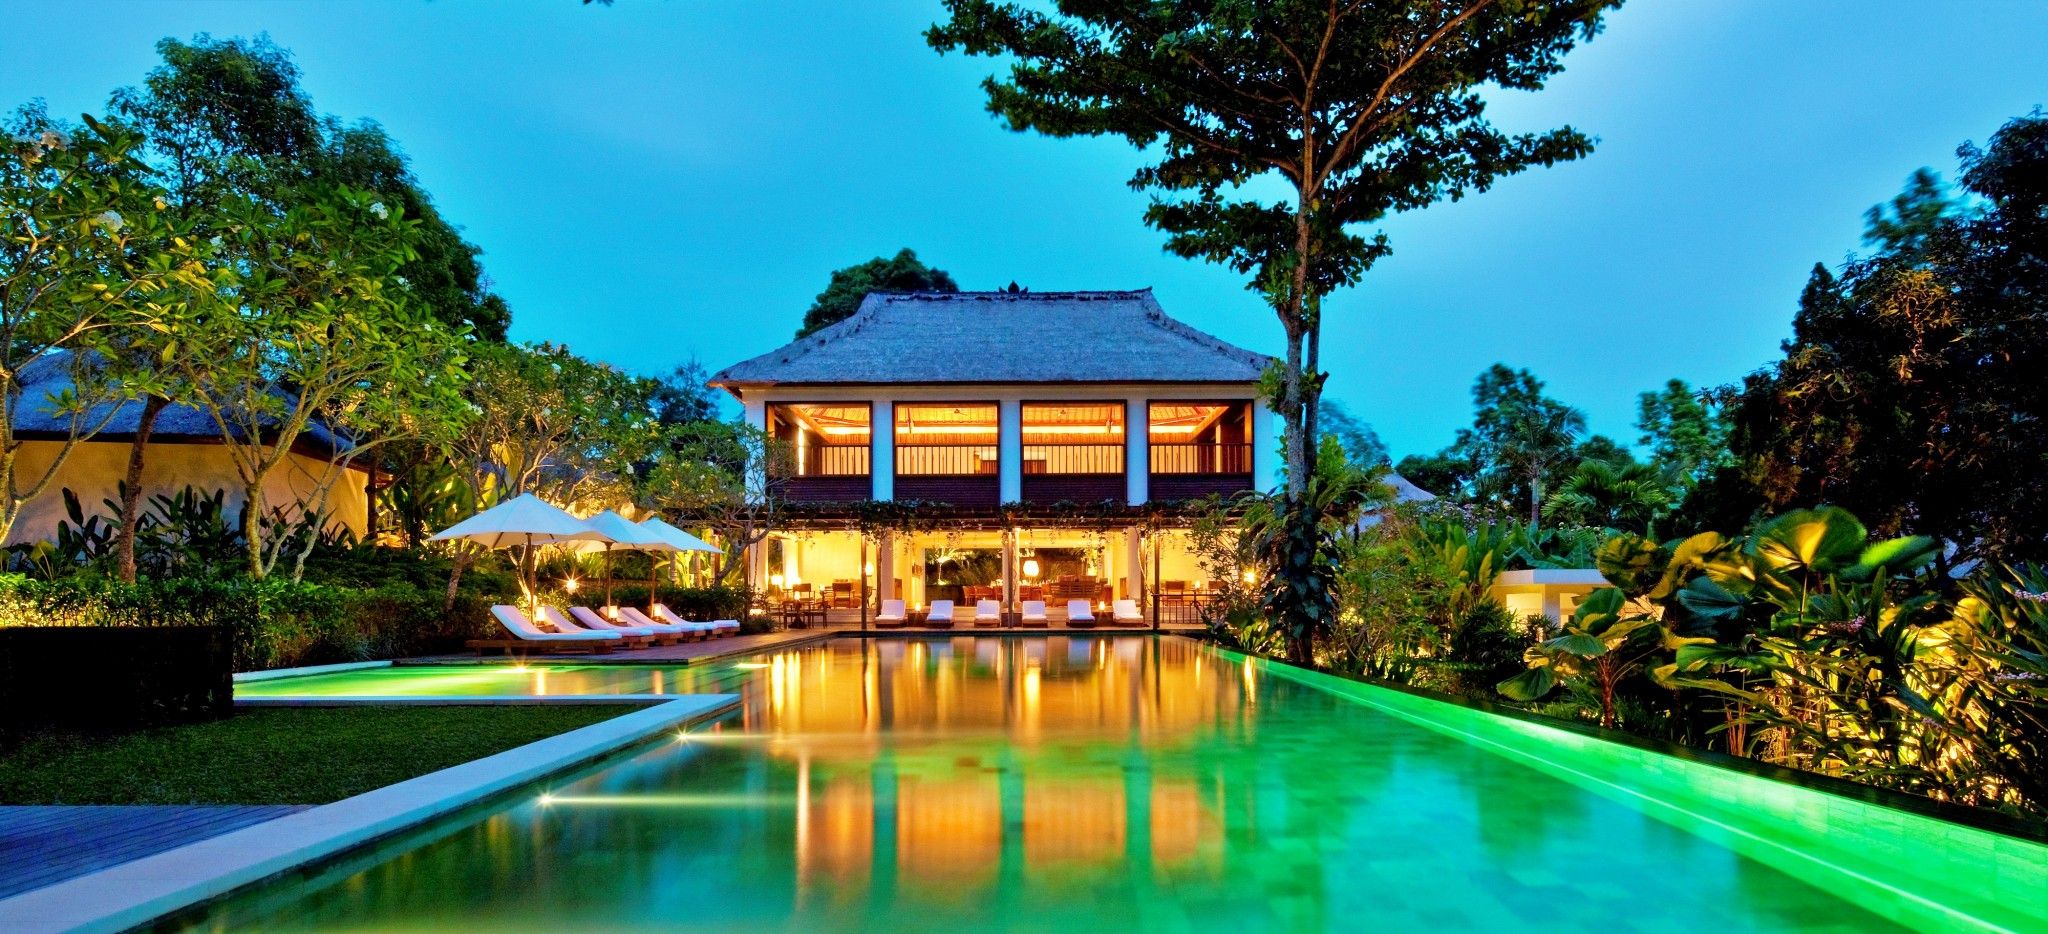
{"type": "Point", "coordinates": [1626, 496]}
{"type": "Point", "coordinates": [1538, 437]}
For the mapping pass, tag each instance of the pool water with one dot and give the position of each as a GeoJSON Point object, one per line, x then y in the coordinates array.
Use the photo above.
{"type": "Point", "coordinates": [491, 680]}
{"type": "Point", "coordinates": [1041, 784]}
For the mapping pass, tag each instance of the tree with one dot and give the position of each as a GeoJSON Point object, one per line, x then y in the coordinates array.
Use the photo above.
{"type": "Point", "coordinates": [543, 420]}
{"type": "Point", "coordinates": [1358, 109]}
{"type": "Point", "coordinates": [226, 120]}
{"type": "Point", "coordinates": [444, 274]}
{"type": "Point", "coordinates": [1447, 473]}
{"type": "Point", "coordinates": [1362, 446]}
{"type": "Point", "coordinates": [220, 120]}
{"type": "Point", "coordinates": [1626, 496]}
{"type": "Point", "coordinates": [1684, 430]}
{"type": "Point", "coordinates": [86, 252]}
{"type": "Point", "coordinates": [683, 396]}
{"type": "Point", "coordinates": [1520, 437]}
{"type": "Point", "coordinates": [227, 117]}
{"type": "Point", "coordinates": [314, 318]}
{"type": "Point", "coordinates": [843, 294]}
{"type": "Point", "coordinates": [728, 477]}
{"type": "Point", "coordinates": [1910, 391]}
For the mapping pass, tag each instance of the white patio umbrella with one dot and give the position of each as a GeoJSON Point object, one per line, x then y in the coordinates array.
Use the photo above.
{"type": "Point", "coordinates": [675, 541]}
{"type": "Point", "coordinates": [621, 531]}
{"type": "Point", "coordinates": [524, 520]}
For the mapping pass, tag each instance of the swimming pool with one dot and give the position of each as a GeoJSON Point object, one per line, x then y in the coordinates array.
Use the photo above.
{"type": "Point", "coordinates": [1083, 782]}
{"type": "Point", "coordinates": [495, 680]}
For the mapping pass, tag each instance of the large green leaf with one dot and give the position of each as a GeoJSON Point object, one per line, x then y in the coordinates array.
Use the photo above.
{"type": "Point", "coordinates": [1529, 685]}
{"type": "Point", "coordinates": [1629, 562]}
{"type": "Point", "coordinates": [1704, 598]}
{"type": "Point", "coordinates": [1902, 555]}
{"type": "Point", "coordinates": [1810, 540]}
{"type": "Point", "coordinates": [1577, 643]}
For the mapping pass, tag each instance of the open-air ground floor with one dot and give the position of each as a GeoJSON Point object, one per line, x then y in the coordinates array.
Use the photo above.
{"type": "Point", "coordinates": [836, 578]}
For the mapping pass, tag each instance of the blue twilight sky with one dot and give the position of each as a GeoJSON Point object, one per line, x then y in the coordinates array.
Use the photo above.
{"type": "Point", "coordinates": [664, 179]}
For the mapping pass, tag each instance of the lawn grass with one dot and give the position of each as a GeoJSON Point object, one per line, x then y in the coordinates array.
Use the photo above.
{"type": "Point", "coordinates": [302, 755]}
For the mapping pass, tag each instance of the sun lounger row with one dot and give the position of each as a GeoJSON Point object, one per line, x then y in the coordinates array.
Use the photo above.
{"type": "Point", "coordinates": [1080, 614]}
{"type": "Point", "coordinates": [583, 629]}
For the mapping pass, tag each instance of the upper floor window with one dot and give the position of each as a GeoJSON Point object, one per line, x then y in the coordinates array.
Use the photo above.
{"type": "Point", "coordinates": [822, 439]}
{"type": "Point", "coordinates": [1201, 437]}
{"type": "Point", "coordinates": [946, 439]}
{"type": "Point", "coordinates": [1065, 438]}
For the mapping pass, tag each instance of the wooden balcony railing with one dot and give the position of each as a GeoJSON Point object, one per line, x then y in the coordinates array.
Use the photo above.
{"type": "Point", "coordinates": [1070, 459]}
{"type": "Point", "coordinates": [835, 461]}
{"type": "Point", "coordinates": [1201, 459]}
{"type": "Point", "coordinates": [946, 460]}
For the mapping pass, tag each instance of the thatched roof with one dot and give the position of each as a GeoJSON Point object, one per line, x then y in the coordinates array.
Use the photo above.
{"type": "Point", "coordinates": [1406, 492]}
{"type": "Point", "coordinates": [1002, 337]}
{"type": "Point", "coordinates": [50, 376]}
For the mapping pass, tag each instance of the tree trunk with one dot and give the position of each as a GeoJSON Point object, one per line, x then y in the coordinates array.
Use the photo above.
{"type": "Point", "coordinates": [462, 561]}
{"type": "Point", "coordinates": [252, 526]}
{"type": "Point", "coordinates": [1535, 502]}
{"type": "Point", "coordinates": [131, 489]}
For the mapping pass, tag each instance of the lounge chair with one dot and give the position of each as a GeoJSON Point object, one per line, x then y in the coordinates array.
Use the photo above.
{"type": "Point", "coordinates": [1079, 616]}
{"type": "Point", "coordinates": [941, 615]}
{"type": "Point", "coordinates": [988, 613]}
{"type": "Point", "coordinates": [719, 627]}
{"type": "Point", "coordinates": [629, 638]}
{"type": "Point", "coordinates": [525, 635]}
{"type": "Point", "coordinates": [1125, 613]}
{"type": "Point", "coordinates": [1034, 614]}
{"type": "Point", "coordinates": [631, 616]}
{"type": "Point", "coordinates": [893, 615]}
{"type": "Point", "coordinates": [597, 622]}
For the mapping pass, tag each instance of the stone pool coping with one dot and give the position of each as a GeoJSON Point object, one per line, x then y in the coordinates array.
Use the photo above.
{"type": "Point", "coordinates": [137, 892]}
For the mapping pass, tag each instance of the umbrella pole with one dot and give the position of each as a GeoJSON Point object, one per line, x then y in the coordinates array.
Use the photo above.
{"type": "Point", "coordinates": [526, 579]}
{"type": "Point", "coordinates": [607, 577]}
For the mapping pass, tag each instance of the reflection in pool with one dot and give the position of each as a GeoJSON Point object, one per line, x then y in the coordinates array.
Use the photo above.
{"type": "Point", "coordinates": [1045, 783]}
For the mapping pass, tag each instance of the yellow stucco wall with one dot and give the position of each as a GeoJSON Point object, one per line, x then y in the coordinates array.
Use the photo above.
{"type": "Point", "coordinates": [95, 468]}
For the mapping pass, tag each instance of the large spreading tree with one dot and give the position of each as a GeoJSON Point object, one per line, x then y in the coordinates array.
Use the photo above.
{"type": "Point", "coordinates": [1356, 109]}
{"type": "Point", "coordinates": [1911, 391]}
{"type": "Point", "coordinates": [843, 294]}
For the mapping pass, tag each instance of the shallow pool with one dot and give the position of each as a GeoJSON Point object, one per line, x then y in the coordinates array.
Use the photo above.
{"type": "Point", "coordinates": [1061, 783]}
{"type": "Point", "coordinates": [493, 680]}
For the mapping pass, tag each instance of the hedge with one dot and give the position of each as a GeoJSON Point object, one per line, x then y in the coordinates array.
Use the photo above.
{"type": "Point", "coordinates": [280, 624]}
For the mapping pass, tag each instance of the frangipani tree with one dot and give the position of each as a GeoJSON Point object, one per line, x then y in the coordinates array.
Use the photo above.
{"type": "Point", "coordinates": [1274, 130]}
{"type": "Point", "coordinates": [87, 251]}
{"type": "Point", "coordinates": [318, 317]}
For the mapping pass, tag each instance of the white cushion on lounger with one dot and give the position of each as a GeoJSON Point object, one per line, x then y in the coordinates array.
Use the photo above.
{"type": "Point", "coordinates": [892, 612]}
{"type": "Point", "coordinates": [987, 609]}
{"type": "Point", "coordinates": [563, 623]}
{"type": "Point", "coordinates": [666, 615]}
{"type": "Point", "coordinates": [1127, 611]}
{"type": "Point", "coordinates": [1034, 609]}
{"type": "Point", "coordinates": [632, 616]}
{"type": "Point", "coordinates": [1078, 609]}
{"type": "Point", "coordinates": [517, 624]}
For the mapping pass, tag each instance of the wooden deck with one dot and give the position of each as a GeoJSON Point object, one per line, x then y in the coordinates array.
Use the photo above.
{"type": "Point", "coordinates": [41, 845]}
{"type": "Point", "coordinates": [838, 623]}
